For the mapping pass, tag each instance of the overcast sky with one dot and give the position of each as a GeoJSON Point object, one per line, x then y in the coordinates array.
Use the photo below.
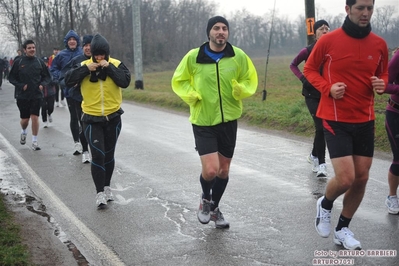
{"type": "Point", "coordinates": [291, 8]}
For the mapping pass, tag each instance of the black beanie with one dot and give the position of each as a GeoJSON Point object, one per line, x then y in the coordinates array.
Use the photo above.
{"type": "Point", "coordinates": [318, 24]}
{"type": "Point", "coordinates": [213, 21]}
{"type": "Point", "coordinates": [87, 39]}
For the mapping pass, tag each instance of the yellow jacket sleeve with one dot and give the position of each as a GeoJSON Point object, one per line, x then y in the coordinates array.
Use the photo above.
{"type": "Point", "coordinates": [247, 84]}
{"type": "Point", "coordinates": [182, 83]}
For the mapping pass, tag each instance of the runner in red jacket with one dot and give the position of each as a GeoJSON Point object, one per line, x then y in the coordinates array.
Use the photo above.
{"type": "Point", "coordinates": [355, 66]}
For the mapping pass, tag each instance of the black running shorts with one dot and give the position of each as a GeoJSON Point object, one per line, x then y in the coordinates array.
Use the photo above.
{"type": "Point", "coordinates": [29, 107]}
{"type": "Point", "coordinates": [345, 139]}
{"type": "Point", "coordinates": [220, 138]}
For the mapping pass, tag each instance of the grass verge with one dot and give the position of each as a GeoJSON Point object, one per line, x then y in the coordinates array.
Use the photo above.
{"type": "Point", "coordinates": [12, 252]}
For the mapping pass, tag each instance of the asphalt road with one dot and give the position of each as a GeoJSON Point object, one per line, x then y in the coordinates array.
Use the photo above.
{"type": "Point", "coordinates": [270, 200]}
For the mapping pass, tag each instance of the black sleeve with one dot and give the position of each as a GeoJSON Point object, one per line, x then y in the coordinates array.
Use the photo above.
{"type": "Point", "coordinates": [120, 75]}
{"type": "Point", "coordinates": [46, 76]}
{"type": "Point", "coordinates": [13, 77]}
{"type": "Point", "coordinates": [64, 70]}
{"type": "Point", "coordinates": [76, 75]}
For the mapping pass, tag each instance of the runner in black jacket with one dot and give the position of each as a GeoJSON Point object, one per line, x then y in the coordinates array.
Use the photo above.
{"type": "Point", "coordinates": [29, 75]}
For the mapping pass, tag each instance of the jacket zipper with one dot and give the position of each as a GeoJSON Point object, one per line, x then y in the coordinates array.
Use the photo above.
{"type": "Point", "coordinates": [220, 94]}
{"type": "Point", "coordinates": [102, 97]}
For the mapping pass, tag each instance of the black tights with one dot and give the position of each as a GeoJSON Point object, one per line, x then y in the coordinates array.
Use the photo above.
{"type": "Point", "coordinates": [102, 138]}
{"type": "Point", "coordinates": [47, 107]}
{"type": "Point", "coordinates": [57, 93]}
{"type": "Point", "coordinates": [319, 143]}
{"type": "Point", "coordinates": [75, 111]}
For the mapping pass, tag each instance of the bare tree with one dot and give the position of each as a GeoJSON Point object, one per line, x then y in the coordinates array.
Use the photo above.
{"type": "Point", "coordinates": [12, 10]}
{"type": "Point", "coordinates": [37, 10]}
{"type": "Point", "coordinates": [383, 23]}
{"type": "Point", "coordinates": [71, 18]}
{"type": "Point", "coordinates": [169, 28]}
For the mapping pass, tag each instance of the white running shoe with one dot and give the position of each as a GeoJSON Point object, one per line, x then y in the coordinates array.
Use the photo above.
{"type": "Point", "coordinates": [392, 204]}
{"type": "Point", "coordinates": [78, 148]}
{"type": "Point", "coordinates": [314, 161]}
{"type": "Point", "coordinates": [86, 157]}
{"type": "Point", "coordinates": [204, 211]}
{"type": "Point", "coordinates": [50, 118]}
{"type": "Point", "coordinates": [23, 139]}
{"type": "Point", "coordinates": [45, 124]}
{"type": "Point", "coordinates": [345, 237]}
{"type": "Point", "coordinates": [35, 146]}
{"type": "Point", "coordinates": [108, 193]}
{"type": "Point", "coordinates": [101, 200]}
{"type": "Point", "coordinates": [217, 217]}
{"type": "Point", "coordinates": [57, 104]}
{"type": "Point", "coordinates": [322, 170]}
{"type": "Point", "coordinates": [323, 220]}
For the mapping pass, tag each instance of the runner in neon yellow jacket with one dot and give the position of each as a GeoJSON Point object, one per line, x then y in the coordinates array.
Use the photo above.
{"type": "Point", "coordinates": [214, 90]}
{"type": "Point", "coordinates": [212, 80]}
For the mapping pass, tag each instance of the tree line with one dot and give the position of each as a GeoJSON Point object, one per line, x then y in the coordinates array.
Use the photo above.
{"type": "Point", "coordinates": [169, 28]}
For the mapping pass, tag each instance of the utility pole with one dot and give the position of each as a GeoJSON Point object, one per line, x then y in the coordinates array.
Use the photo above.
{"type": "Point", "coordinates": [137, 48]}
{"type": "Point", "coordinates": [310, 20]}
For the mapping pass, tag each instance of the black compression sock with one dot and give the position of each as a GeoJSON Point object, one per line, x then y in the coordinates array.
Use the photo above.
{"type": "Point", "coordinates": [217, 191]}
{"type": "Point", "coordinates": [206, 187]}
{"type": "Point", "coordinates": [326, 203]}
{"type": "Point", "coordinates": [342, 222]}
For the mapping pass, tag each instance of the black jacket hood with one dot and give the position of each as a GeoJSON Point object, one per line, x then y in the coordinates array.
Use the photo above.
{"type": "Point", "coordinates": [99, 45]}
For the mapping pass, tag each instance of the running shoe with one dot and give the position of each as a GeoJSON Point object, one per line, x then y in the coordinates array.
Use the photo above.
{"type": "Point", "coordinates": [23, 139]}
{"type": "Point", "coordinates": [323, 220]}
{"type": "Point", "coordinates": [50, 118]}
{"type": "Point", "coordinates": [78, 148]}
{"type": "Point", "coordinates": [392, 204]}
{"type": "Point", "coordinates": [314, 161]}
{"type": "Point", "coordinates": [345, 237]}
{"type": "Point", "coordinates": [86, 157]}
{"type": "Point", "coordinates": [108, 193]}
{"type": "Point", "coordinates": [322, 172]}
{"type": "Point", "coordinates": [204, 211]}
{"type": "Point", "coordinates": [101, 200]}
{"type": "Point", "coordinates": [35, 146]}
{"type": "Point", "coordinates": [45, 124]}
{"type": "Point", "coordinates": [217, 217]}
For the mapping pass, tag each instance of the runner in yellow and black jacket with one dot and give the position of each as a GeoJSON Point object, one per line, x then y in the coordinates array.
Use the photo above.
{"type": "Point", "coordinates": [101, 79]}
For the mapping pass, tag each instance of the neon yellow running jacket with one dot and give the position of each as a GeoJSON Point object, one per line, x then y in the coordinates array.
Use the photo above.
{"type": "Point", "coordinates": [214, 90]}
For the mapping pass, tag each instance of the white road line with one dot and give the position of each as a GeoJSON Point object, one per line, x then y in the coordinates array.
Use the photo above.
{"type": "Point", "coordinates": [85, 237]}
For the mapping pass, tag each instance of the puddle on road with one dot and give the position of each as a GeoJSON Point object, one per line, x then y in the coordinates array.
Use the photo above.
{"type": "Point", "coordinates": [18, 192]}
